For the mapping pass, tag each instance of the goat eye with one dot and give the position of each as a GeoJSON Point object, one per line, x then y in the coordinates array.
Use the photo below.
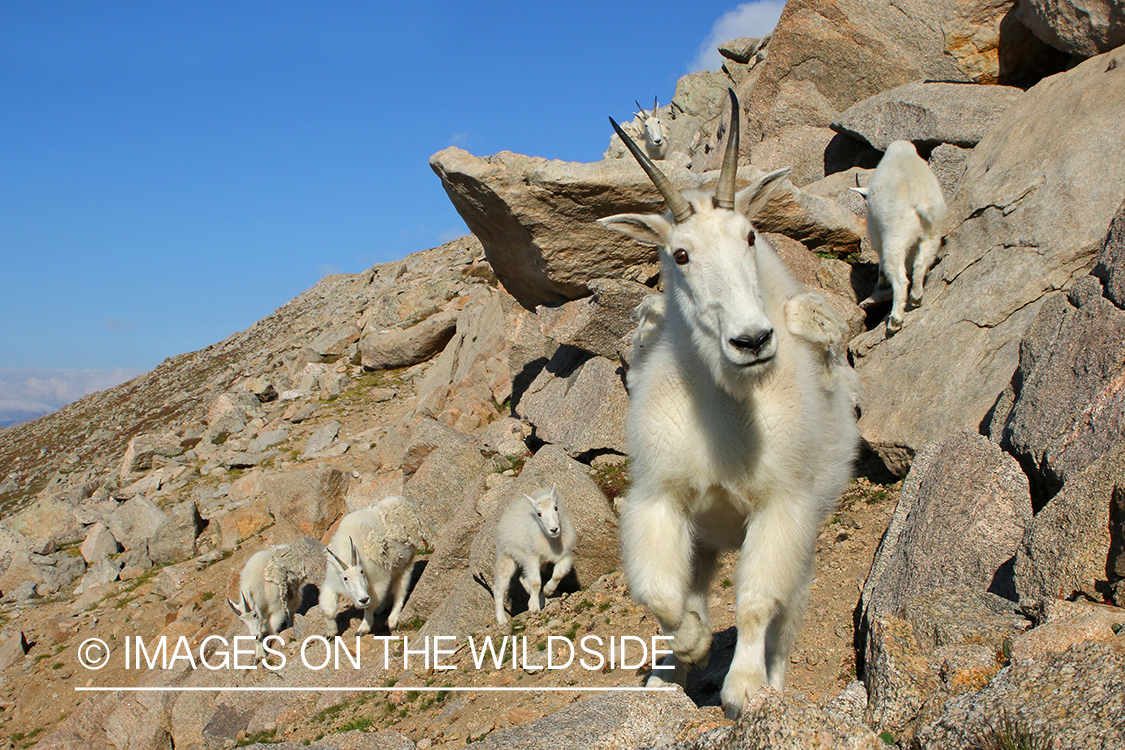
{"type": "Point", "coordinates": [753, 236]}
{"type": "Point", "coordinates": [681, 257]}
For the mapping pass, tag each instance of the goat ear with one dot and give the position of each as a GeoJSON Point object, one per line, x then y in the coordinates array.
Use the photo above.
{"type": "Point", "coordinates": [335, 560]}
{"type": "Point", "coordinates": [650, 229]}
{"type": "Point", "coordinates": [234, 608]}
{"type": "Point", "coordinates": [753, 198]}
{"type": "Point", "coordinates": [861, 190]}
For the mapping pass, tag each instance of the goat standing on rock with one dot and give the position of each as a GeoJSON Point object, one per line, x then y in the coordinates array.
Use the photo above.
{"type": "Point", "coordinates": [905, 218]}
{"type": "Point", "coordinates": [653, 130]}
{"type": "Point", "coordinates": [529, 535]}
{"type": "Point", "coordinates": [737, 437]}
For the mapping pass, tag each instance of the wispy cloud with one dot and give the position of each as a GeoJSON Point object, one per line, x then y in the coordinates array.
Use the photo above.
{"type": "Point", "coordinates": [28, 394]}
{"type": "Point", "coordinates": [748, 19]}
{"type": "Point", "coordinates": [459, 139]}
{"type": "Point", "coordinates": [451, 234]}
{"type": "Point", "coordinates": [119, 325]}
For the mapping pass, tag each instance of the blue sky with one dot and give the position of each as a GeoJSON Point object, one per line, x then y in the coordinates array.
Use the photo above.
{"type": "Point", "coordinates": [172, 172]}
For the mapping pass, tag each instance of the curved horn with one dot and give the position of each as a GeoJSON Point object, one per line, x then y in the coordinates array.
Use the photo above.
{"type": "Point", "coordinates": [655, 104]}
{"type": "Point", "coordinates": [679, 206]}
{"type": "Point", "coordinates": [640, 109]}
{"type": "Point", "coordinates": [724, 194]}
{"type": "Point", "coordinates": [336, 558]}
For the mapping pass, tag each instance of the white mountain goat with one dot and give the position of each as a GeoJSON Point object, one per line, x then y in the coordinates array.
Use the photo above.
{"type": "Point", "coordinates": [738, 439]}
{"type": "Point", "coordinates": [271, 581]}
{"type": "Point", "coordinates": [529, 535]}
{"type": "Point", "coordinates": [905, 220]}
{"type": "Point", "coordinates": [653, 130]}
{"type": "Point", "coordinates": [380, 540]}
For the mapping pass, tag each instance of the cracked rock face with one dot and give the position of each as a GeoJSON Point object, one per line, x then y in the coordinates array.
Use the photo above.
{"type": "Point", "coordinates": [1037, 196]}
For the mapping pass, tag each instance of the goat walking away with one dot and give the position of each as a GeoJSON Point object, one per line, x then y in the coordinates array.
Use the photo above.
{"type": "Point", "coordinates": [905, 220]}
{"type": "Point", "coordinates": [738, 439]}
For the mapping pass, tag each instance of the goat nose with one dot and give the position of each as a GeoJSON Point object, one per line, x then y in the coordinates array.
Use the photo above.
{"type": "Point", "coordinates": [752, 342]}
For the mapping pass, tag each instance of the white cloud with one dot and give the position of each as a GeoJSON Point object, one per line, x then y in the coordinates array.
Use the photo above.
{"type": "Point", "coordinates": [459, 139]}
{"type": "Point", "coordinates": [26, 394]}
{"type": "Point", "coordinates": [748, 19]}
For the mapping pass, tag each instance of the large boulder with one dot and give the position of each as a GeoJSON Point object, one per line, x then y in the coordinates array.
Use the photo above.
{"type": "Point", "coordinates": [537, 219]}
{"type": "Point", "coordinates": [479, 337]}
{"type": "Point", "coordinates": [603, 722]}
{"type": "Point", "coordinates": [388, 348]}
{"type": "Point", "coordinates": [1066, 551]}
{"type": "Point", "coordinates": [601, 323]}
{"type": "Point", "coordinates": [303, 501]}
{"type": "Point", "coordinates": [1071, 700]}
{"type": "Point", "coordinates": [821, 224]}
{"type": "Point", "coordinates": [579, 403]}
{"type": "Point", "coordinates": [826, 55]}
{"type": "Point", "coordinates": [1033, 205]}
{"type": "Point", "coordinates": [135, 522]}
{"type": "Point", "coordinates": [960, 519]}
{"type": "Point", "coordinates": [928, 114]}
{"type": "Point", "coordinates": [142, 449]}
{"type": "Point", "coordinates": [1077, 27]}
{"type": "Point", "coordinates": [448, 475]}
{"type": "Point", "coordinates": [1069, 389]}
{"type": "Point", "coordinates": [174, 540]}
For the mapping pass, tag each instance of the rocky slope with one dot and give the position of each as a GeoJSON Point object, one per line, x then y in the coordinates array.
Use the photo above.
{"type": "Point", "coordinates": [466, 375]}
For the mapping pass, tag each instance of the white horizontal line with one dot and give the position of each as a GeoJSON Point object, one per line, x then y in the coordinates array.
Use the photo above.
{"type": "Point", "coordinates": [432, 689]}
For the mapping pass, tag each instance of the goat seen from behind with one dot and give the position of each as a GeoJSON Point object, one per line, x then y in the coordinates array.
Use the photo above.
{"type": "Point", "coordinates": [905, 219]}
{"type": "Point", "coordinates": [738, 438]}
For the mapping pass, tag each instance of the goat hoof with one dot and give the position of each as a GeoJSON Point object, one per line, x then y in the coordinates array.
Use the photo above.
{"type": "Point", "coordinates": [364, 628]}
{"type": "Point", "coordinates": [737, 691]}
{"type": "Point", "coordinates": [894, 325]}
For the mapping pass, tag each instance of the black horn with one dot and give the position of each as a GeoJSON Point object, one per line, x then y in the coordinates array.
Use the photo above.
{"type": "Point", "coordinates": [724, 194]}
{"type": "Point", "coordinates": [679, 206]}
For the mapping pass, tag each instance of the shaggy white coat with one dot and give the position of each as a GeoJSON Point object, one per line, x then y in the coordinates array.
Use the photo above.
{"type": "Point", "coordinates": [733, 446]}
{"type": "Point", "coordinates": [534, 530]}
{"type": "Point", "coordinates": [378, 541]}
{"type": "Point", "coordinates": [905, 221]}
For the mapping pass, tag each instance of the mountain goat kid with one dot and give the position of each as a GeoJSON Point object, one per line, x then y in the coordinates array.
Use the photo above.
{"type": "Point", "coordinates": [905, 219]}
{"type": "Point", "coordinates": [738, 439]}
{"type": "Point", "coordinates": [529, 535]}
{"type": "Point", "coordinates": [379, 541]}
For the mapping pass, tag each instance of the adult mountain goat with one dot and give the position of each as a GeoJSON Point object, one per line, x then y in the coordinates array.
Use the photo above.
{"type": "Point", "coordinates": [653, 130]}
{"type": "Point", "coordinates": [378, 541]}
{"type": "Point", "coordinates": [737, 437]}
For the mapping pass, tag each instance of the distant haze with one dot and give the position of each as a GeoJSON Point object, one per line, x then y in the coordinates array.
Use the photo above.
{"type": "Point", "coordinates": [29, 394]}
